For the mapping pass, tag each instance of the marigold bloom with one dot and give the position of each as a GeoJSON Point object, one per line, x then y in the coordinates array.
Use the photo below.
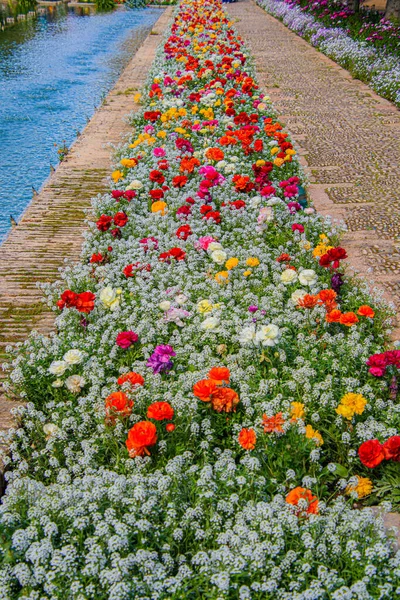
{"type": "Point", "coordinates": [371, 453]}
{"type": "Point", "coordinates": [224, 400]}
{"type": "Point", "coordinates": [300, 493]}
{"type": "Point", "coordinates": [350, 405]}
{"type": "Point", "coordinates": [252, 261]}
{"type": "Point", "coordinates": [160, 411]}
{"type": "Point", "coordinates": [203, 389]}
{"type": "Point", "coordinates": [313, 434]}
{"type": "Point", "coordinates": [362, 489]}
{"type": "Point", "coordinates": [247, 438]}
{"type": "Point", "coordinates": [366, 311]}
{"type": "Point", "coordinates": [297, 411]}
{"type": "Point", "coordinates": [219, 375]}
{"type": "Point", "coordinates": [273, 424]}
{"type": "Point", "coordinates": [140, 438]}
{"type": "Point", "coordinates": [132, 377]}
{"type": "Point", "coordinates": [348, 319]}
{"type": "Point", "coordinates": [118, 403]}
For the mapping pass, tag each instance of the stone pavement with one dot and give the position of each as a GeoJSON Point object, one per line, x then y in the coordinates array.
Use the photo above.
{"type": "Point", "coordinates": [51, 228]}
{"type": "Point", "coordinates": [347, 136]}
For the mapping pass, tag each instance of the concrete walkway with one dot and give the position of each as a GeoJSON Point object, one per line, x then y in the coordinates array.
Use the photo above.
{"type": "Point", "coordinates": [347, 135]}
{"type": "Point", "coordinates": [51, 228]}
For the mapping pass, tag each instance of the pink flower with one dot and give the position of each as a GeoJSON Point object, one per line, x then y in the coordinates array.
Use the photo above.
{"type": "Point", "coordinates": [159, 152]}
{"type": "Point", "coordinates": [125, 339]}
{"type": "Point", "coordinates": [203, 242]}
{"type": "Point", "coordinates": [148, 129]}
{"type": "Point", "coordinates": [298, 227]}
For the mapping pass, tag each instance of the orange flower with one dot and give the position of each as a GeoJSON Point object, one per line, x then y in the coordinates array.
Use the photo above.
{"type": "Point", "coordinates": [348, 319]}
{"type": "Point", "coordinates": [247, 438]}
{"type": "Point", "coordinates": [224, 400]}
{"type": "Point", "coordinates": [188, 165]}
{"type": "Point", "coordinates": [333, 316]}
{"type": "Point", "coordinates": [118, 403]}
{"type": "Point", "coordinates": [160, 411]}
{"type": "Point", "coordinates": [327, 296]}
{"type": "Point", "coordinates": [366, 311]}
{"type": "Point", "coordinates": [219, 375]}
{"type": "Point", "coordinates": [132, 377]}
{"type": "Point", "coordinates": [140, 437]}
{"type": "Point", "coordinates": [273, 424]}
{"type": "Point", "coordinates": [308, 301]}
{"type": "Point", "coordinates": [204, 388]}
{"type": "Point", "coordinates": [214, 154]}
{"type": "Point", "coordinates": [298, 493]}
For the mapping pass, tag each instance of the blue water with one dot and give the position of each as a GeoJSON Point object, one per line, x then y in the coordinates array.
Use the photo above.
{"type": "Point", "coordinates": [54, 71]}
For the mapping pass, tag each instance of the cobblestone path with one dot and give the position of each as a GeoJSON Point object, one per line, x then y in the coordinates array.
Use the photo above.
{"type": "Point", "coordinates": [51, 228]}
{"type": "Point", "coordinates": [347, 135]}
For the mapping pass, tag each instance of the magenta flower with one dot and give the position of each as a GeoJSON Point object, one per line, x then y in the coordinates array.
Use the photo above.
{"type": "Point", "coordinates": [125, 339]}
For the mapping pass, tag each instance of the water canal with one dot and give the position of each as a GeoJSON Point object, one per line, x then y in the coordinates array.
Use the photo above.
{"type": "Point", "coordinates": [54, 71]}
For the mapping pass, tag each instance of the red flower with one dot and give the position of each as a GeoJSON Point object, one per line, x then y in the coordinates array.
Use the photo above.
{"type": "Point", "coordinates": [183, 232]}
{"type": "Point", "coordinates": [213, 214]}
{"type": "Point", "coordinates": [160, 411]}
{"type": "Point", "coordinates": [179, 181]}
{"type": "Point", "coordinates": [204, 389]}
{"type": "Point", "coordinates": [97, 258]}
{"type": "Point", "coordinates": [156, 194]}
{"type": "Point", "coordinates": [121, 219]}
{"type": "Point", "coordinates": [237, 204]}
{"type": "Point", "coordinates": [118, 403]}
{"type": "Point", "coordinates": [152, 115]}
{"type": "Point", "coordinates": [299, 493]}
{"type": "Point", "coordinates": [371, 453]}
{"type": "Point", "coordinates": [183, 211]}
{"type": "Point", "coordinates": [177, 253]}
{"type": "Point", "coordinates": [132, 377]}
{"type": "Point", "coordinates": [333, 257]}
{"type": "Point", "coordinates": [391, 448]}
{"type": "Point", "coordinates": [85, 302]}
{"type": "Point", "coordinates": [125, 339]}
{"type": "Point", "coordinates": [104, 223]}
{"type": "Point", "coordinates": [157, 176]}
{"type": "Point", "coordinates": [170, 427]}
{"type": "Point", "coordinates": [298, 227]}
{"type": "Point", "coordinates": [140, 437]}
{"type": "Point", "coordinates": [205, 208]}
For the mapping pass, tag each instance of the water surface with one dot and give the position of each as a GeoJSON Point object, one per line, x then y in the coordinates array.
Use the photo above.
{"type": "Point", "coordinates": [54, 71]}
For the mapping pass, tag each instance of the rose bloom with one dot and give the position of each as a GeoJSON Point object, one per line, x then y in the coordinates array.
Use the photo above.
{"type": "Point", "coordinates": [140, 438]}
{"type": "Point", "coordinates": [132, 377]}
{"type": "Point", "coordinates": [160, 411]}
{"type": "Point", "coordinates": [219, 375]}
{"type": "Point", "coordinates": [391, 448]}
{"type": "Point", "coordinates": [224, 400]}
{"type": "Point", "coordinates": [125, 339]}
{"type": "Point", "coordinates": [371, 453]}
{"type": "Point", "coordinates": [247, 438]}
{"type": "Point", "coordinates": [299, 493]}
{"type": "Point", "coordinates": [204, 389]}
{"type": "Point", "coordinates": [118, 403]}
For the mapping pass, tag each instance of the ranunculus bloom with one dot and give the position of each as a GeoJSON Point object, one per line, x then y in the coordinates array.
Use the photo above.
{"type": "Point", "coordinates": [140, 438]}
{"type": "Point", "coordinates": [132, 377]}
{"type": "Point", "coordinates": [224, 400]}
{"type": "Point", "coordinates": [348, 319]}
{"type": "Point", "coordinates": [125, 339]}
{"type": "Point", "coordinates": [160, 411]}
{"type": "Point", "coordinates": [183, 232]}
{"type": "Point", "coordinates": [371, 453]}
{"type": "Point", "coordinates": [118, 403]}
{"type": "Point", "coordinates": [204, 389]}
{"type": "Point", "coordinates": [104, 223]}
{"type": "Point", "coordinates": [247, 438]}
{"type": "Point", "coordinates": [366, 311]}
{"type": "Point", "coordinates": [391, 448]}
{"type": "Point", "coordinates": [298, 227]}
{"type": "Point", "coordinates": [85, 302]}
{"type": "Point", "coordinates": [300, 493]}
{"type": "Point", "coordinates": [121, 219]}
{"type": "Point", "coordinates": [219, 375]}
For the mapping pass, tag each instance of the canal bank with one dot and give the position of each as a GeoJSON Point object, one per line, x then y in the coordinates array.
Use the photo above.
{"type": "Point", "coordinates": [50, 231]}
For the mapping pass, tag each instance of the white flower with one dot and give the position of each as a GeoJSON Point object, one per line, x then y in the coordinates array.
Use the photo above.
{"type": "Point", "coordinates": [213, 246]}
{"type": "Point", "coordinates": [165, 305]}
{"type": "Point", "coordinates": [73, 357]}
{"type": "Point", "coordinates": [181, 299]}
{"type": "Point", "coordinates": [58, 367]}
{"type": "Point", "coordinates": [309, 210]}
{"type": "Point", "coordinates": [210, 323]}
{"type": "Point", "coordinates": [273, 201]}
{"type": "Point", "coordinates": [57, 383]}
{"type": "Point", "coordinates": [135, 185]}
{"type": "Point", "coordinates": [50, 429]}
{"type": "Point", "coordinates": [109, 298]}
{"type": "Point", "coordinates": [247, 335]}
{"type": "Point", "coordinates": [297, 295]}
{"type": "Point", "coordinates": [268, 335]}
{"type": "Point", "coordinates": [288, 276]}
{"type": "Point", "coordinates": [265, 215]}
{"type": "Point", "coordinates": [256, 201]}
{"type": "Point", "coordinates": [75, 383]}
{"type": "Point", "coordinates": [219, 256]}
{"type": "Point", "coordinates": [308, 277]}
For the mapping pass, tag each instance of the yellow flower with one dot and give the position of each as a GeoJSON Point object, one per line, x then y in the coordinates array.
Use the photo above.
{"type": "Point", "coordinates": [128, 162]}
{"type": "Point", "coordinates": [222, 276]}
{"type": "Point", "coordinates": [117, 175]}
{"type": "Point", "coordinates": [350, 405]}
{"type": "Point", "coordinates": [162, 134]}
{"type": "Point", "coordinates": [290, 152]}
{"type": "Point", "coordinates": [363, 488]}
{"type": "Point", "coordinates": [247, 273]}
{"type": "Point", "coordinates": [323, 238]}
{"type": "Point", "coordinates": [204, 306]}
{"type": "Point", "coordinates": [231, 263]}
{"type": "Point", "coordinates": [297, 411]}
{"type": "Point", "coordinates": [320, 250]}
{"type": "Point", "coordinates": [252, 261]}
{"type": "Point", "coordinates": [274, 150]}
{"type": "Point", "coordinates": [260, 162]}
{"type": "Point", "coordinates": [159, 206]}
{"type": "Point", "coordinates": [278, 162]}
{"type": "Point", "coordinates": [313, 434]}
{"type": "Point", "coordinates": [137, 97]}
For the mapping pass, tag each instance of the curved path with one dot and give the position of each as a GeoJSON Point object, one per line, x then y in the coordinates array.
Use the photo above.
{"type": "Point", "coordinates": [347, 136]}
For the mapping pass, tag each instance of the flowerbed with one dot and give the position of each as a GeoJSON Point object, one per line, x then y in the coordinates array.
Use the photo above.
{"type": "Point", "coordinates": [364, 59]}
{"type": "Point", "coordinates": [217, 395]}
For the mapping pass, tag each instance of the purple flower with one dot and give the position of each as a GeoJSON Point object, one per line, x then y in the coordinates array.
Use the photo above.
{"type": "Point", "coordinates": [337, 282]}
{"type": "Point", "coordinates": [253, 308]}
{"type": "Point", "coordinates": [160, 361]}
